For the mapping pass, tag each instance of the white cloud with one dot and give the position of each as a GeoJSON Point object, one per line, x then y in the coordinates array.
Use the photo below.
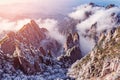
{"type": "Point", "coordinates": [96, 14]}
{"type": "Point", "coordinates": [6, 24]}
{"type": "Point", "coordinates": [79, 14]}
{"type": "Point", "coordinates": [105, 19]}
{"type": "Point", "coordinates": [52, 26]}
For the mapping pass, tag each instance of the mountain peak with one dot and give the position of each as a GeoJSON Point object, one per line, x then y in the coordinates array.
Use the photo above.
{"type": "Point", "coordinates": [28, 34]}
{"type": "Point", "coordinates": [32, 24]}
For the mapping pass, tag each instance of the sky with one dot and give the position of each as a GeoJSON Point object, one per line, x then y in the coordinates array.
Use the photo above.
{"type": "Point", "coordinates": [5, 2]}
{"type": "Point", "coordinates": [10, 8]}
{"type": "Point", "coordinates": [16, 13]}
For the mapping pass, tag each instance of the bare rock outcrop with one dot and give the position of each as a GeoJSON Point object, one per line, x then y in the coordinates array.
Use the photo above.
{"type": "Point", "coordinates": [102, 63]}
{"type": "Point", "coordinates": [72, 49]}
{"type": "Point", "coordinates": [25, 50]}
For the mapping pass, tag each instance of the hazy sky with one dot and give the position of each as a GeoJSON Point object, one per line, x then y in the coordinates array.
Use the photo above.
{"type": "Point", "coordinates": [57, 2]}
{"type": "Point", "coordinates": [19, 7]}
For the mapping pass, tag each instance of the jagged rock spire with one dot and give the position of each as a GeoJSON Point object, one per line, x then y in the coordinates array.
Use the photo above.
{"type": "Point", "coordinates": [72, 49]}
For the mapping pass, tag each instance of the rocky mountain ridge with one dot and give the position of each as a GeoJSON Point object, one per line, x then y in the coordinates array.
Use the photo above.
{"type": "Point", "coordinates": [102, 63]}
{"type": "Point", "coordinates": [30, 51]}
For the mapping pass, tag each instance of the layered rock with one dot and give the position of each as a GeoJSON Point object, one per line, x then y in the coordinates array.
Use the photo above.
{"type": "Point", "coordinates": [102, 63]}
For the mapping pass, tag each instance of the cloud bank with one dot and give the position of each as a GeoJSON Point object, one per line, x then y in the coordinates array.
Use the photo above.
{"type": "Point", "coordinates": [8, 25]}
{"type": "Point", "coordinates": [52, 26]}
{"type": "Point", "coordinates": [82, 19]}
{"type": "Point", "coordinates": [91, 15]}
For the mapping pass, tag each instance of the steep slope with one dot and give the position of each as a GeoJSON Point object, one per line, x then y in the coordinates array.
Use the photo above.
{"type": "Point", "coordinates": [102, 63]}
{"type": "Point", "coordinates": [29, 34]}
{"type": "Point", "coordinates": [29, 54]}
{"type": "Point", "coordinates": [72, 50]}
{"type": "Point", "coordinates": [92, 19]}
{"type": "Point", "coordinates": [23, 47]}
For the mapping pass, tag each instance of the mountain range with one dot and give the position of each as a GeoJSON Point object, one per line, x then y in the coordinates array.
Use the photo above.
{"type": "Point", "coordinates": [32, 54]}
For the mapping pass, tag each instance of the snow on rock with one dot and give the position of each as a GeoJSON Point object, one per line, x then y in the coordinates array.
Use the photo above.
{"type": "Point", "coordinates": [51, 72]}
{"type": "Point", "coordinates": [102, 63]}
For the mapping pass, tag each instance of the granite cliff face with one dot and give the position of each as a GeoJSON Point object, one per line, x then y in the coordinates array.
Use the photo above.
{"type": "Point", "coordinates": [30, 34]}
{"type": "Point", "coordinates": [29, 51]}
{"type": "Point", "coordinates": [72, 50]}
{"type": "Point", "coordinates": [102, 63]}
{"type": "Point", "coordinates": [24, 48]}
